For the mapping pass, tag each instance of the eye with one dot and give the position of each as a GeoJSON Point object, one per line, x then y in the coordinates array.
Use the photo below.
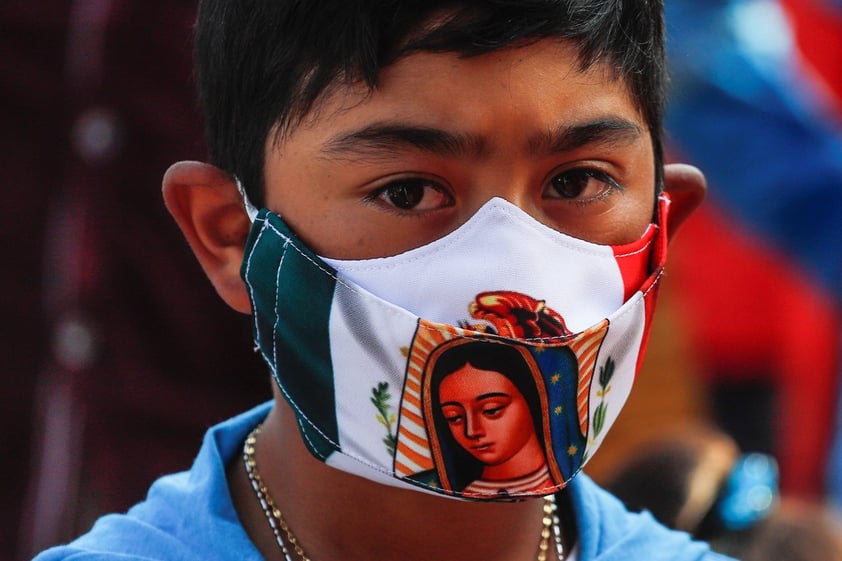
{"type": "Point", "coordinates": [494, 411]}
{"type": "Point", "coordinates": [415, 194]}
{"type": "Point", "coordinates": [581, 185]}
{"type": "Point", "coordinates": [452, 415]}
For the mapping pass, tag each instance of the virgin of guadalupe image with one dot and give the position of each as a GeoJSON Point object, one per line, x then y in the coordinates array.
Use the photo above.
{"type": "Point", "coordinates": [483, 416]}
{"type": "Point", "coordinates": [485, 402]}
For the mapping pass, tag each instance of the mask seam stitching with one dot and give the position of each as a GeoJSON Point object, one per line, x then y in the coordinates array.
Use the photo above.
{"type": "Point", "coordinates": [273, 363]}
{"type": "Point", "coordinates": [247, 276]}
{"type": "Point", "coordinates": [277, 299]}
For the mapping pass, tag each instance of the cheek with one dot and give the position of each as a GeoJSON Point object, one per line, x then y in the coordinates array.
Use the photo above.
{"type": "Point", "coordinates": [347, 228]}
{"type": "Point", "coordinates": [357, 233]}
{"type": "Point", "coordinates": [457, 431]}
{"type": "Point", "coordinates": [621, 225]}
{"type": "Point", "coordinates": [519, 425]}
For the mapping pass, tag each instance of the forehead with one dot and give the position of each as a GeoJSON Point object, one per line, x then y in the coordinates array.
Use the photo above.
{"type": "Point", "coordinates": [469, 379]}
{"type": "Point", "coordinates": [444, 88]}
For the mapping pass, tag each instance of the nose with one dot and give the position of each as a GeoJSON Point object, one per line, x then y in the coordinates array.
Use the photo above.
{"type": "Point", "coordinates": [474, 427]}
{"type": "Point", "coordinates": [505, 182]}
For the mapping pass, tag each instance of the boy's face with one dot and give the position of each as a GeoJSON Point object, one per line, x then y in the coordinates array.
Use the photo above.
{"type": "Point", "coordinates": [374, 174]}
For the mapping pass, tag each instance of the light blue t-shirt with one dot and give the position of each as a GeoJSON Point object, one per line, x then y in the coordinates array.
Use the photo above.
{"type": "Point", "coordinates": [189, 516]}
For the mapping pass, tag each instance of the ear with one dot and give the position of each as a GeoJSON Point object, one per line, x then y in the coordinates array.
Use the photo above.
{"type": "Point", "coordinates": [207, 206]}
{"type": "Point", "coordinates": [687, 188]}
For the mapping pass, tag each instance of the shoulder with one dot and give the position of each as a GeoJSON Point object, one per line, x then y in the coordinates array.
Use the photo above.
{"type": "Point", "coordinates": [187, 516]}
{"type": "Point", "coordinates": [123, 537]}
{"type": "Point", "coordinates": [609, 532]}
{"type": "Point", "coordinates": [127, 537]}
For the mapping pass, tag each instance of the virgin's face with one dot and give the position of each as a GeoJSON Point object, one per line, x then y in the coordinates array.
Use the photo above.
{"type": "Point", "coordinates": [486, 413]}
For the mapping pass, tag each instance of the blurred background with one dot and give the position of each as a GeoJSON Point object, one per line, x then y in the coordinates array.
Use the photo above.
{"type": "Point", "coordinates": [118, 355]}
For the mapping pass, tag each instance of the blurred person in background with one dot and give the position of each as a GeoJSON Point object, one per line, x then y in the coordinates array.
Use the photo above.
{"type": "Point", "coordinates": [796, 531]}
{"type": "Point", "coordinates": [111, 370]}
{"type": "Point", "coordinates": [677, 476]}
{"type": "Point", "coordinates": [697, 480]}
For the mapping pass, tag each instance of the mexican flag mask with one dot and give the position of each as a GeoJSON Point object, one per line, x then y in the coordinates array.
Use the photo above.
{"type": "Point", "coordinates": [488, 364]}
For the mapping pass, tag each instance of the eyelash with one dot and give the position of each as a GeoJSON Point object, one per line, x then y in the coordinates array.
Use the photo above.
{"type": "Point", "coordinates": [376, 196]}
{"type": "Point", "coordinates": [596, 174]}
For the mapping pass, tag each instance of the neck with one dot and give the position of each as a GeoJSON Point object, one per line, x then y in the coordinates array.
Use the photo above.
{"type": "Point", "coordinates": [336, 515]}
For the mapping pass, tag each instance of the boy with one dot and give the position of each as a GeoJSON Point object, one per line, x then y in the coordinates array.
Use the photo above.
{"type": "Point", "coordinates": [424, 183]}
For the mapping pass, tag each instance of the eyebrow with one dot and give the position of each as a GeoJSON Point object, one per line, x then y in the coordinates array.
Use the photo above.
{"type": "Point", "coordinates": [490, 395]}
{"type": "Point", "coordinates": [610, 131]}
{"type": "Point", "coordinates": [480, 397]}
{"type": "Point", "coordinates": [384, 140]}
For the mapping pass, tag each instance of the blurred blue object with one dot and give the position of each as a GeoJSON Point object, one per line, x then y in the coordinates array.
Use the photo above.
{"type": "Point", "coordinates": [750, 493]}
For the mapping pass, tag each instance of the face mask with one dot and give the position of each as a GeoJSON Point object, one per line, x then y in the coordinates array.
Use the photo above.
{"type": "Point", "coordinates": [488, 364]}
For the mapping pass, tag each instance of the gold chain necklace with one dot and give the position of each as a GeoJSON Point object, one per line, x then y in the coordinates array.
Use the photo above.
{"type": "Point", "coordinates": [550, 526]}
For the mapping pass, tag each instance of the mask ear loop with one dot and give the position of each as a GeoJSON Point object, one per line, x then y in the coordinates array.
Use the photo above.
{"type": "Point", "coordinates": [250, 209]}
{"type": "Point", "coordinates": [659, 251]}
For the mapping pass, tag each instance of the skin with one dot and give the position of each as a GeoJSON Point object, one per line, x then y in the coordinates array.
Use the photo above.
{"type": "Point", "coordinates": [489, 417]}
{"type": "Point", "coordinates": [449, 133]}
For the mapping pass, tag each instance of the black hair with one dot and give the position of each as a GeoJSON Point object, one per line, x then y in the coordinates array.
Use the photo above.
{"type": "Point", "coordinates": [509, 361]}
{"type": "Point", "coordinates": [263, 64]}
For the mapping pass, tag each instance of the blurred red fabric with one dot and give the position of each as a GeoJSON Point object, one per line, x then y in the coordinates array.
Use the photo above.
{"type": "Point", "coordinates": [818, 35]}
{"type": "Point", "coordinates": [755, 318]}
